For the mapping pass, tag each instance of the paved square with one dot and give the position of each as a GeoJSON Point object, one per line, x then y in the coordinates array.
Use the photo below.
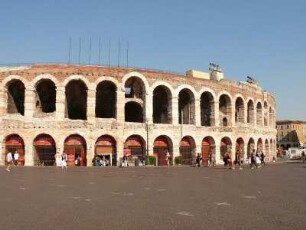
{"type": "Point", "coordinates": [272, 197]}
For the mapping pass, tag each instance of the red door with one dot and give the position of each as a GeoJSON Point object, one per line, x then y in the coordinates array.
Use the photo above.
{"type": "Point", "coordinates": [75, 146]}
{"type": "Point", "coordinates": [15, 143]}
{"type": "Point", "coordinates": [205, 152]}
{"type": "Point", "coordinates": [161, 149]}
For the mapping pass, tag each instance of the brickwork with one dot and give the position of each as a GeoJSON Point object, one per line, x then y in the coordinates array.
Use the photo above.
{"type": "Point", "coordinates": [59, 127]}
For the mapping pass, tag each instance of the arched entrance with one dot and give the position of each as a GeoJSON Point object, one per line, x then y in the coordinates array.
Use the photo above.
{"type": "Point", "coordinates": [15, 143]}
{"type": "Point", "coordinates": [134, 149]}
{"type": "Point", "coordinates": [208, 147]}
{"type": "Point", "coordinates": [240, 148]}
{"type": "Point", "coordinates": [225, 146]}
{"type": "Point", "coordinates": [162, 146]}
{"type": "Point", "coordinates": [251, 146]}
{"type": "Point", "coordinates": [74, 147]}
{"type": "Point", "coordinates": [45, 150]}
{"type": "Point", "coordinates": [106, 147]}
{"type": "Point", "coordinates": [259, 145]}
{"type": "Point", "coordinates": [267, 152]}
{"type": "Point", "coordinates": [187, 150]}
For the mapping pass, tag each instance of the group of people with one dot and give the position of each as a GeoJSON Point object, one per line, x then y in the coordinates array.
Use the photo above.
{"type": "Point", "coordinates": [101, 161]}
{"type": "Point", "coordinates": [64, 160]}
{"type": "Point", "coordinates": [257, 159]}
{"type": "Point", "coordinates": [11, 159]}
{"type": "Point", "coordinates": [211, 161]}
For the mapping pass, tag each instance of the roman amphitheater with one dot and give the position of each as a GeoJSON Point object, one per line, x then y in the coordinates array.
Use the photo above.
{"type": "Point", "coordinates": [89, 111]}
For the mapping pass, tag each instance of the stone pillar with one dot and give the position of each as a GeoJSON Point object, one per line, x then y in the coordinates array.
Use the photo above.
{"type": "Point", "coordinates": [29, 103]}
{"type": "Point", "coordinates": [217, 114]}
{"type": "Point", "coordinates": [245, 149]}
{"type": "Point", "coordinates": [91, 104]}
{"type": "Point", "coordinates": [120, 105]}
{"type": "Point", "coordinates": [149, 108]}
{"type": "Point", "coordinates": [90, 152]}
{"type": "Point", "coordinates": [60, 102]}
{"type": "Point", "coordinates": [2, 151]}
{"type": "Point", "coordinates": [232, 118]}
{"type": "Point", "coordinates": [245, 113]}
{"type": "Point", "coordinates": [175, 114]}
{"type": "Point", "coordinates": [3, 101]}
{"type": "Point", "coordinates": [28, 152]}
{"type": "Point", "coordinates": [218, 154]}
{"type": "Point", "coordinates": [197, 112]}
{"type": "Point", "coordinates": [119, 149]}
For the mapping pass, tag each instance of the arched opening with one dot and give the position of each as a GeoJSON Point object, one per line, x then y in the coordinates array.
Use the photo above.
{"type": "Point", "coordinates": [45, 150]}
{"type": "Point", "coordinates": [162, 146]}
{"type": "Point", "coordinates": [207, 109]}
{"type": "Point", "coordinates": [266, 114]}
{"type": "Point", "coordinates": [251, 146]}
{"type": "Point", "coordinates": [240, 148]}
{"type": "Point", "coordinates": [14, 143]}
{"type": "Point", "coordinates": [135, 91]}
{"type": "Point", "coordinates": [186, 107]}
{"type": "Point", "coordinates": [259, 114]}
{"type": "Point", "coordinates": [270, 117]}
{"type": "Point", "coordinates": [187, 150]}
{"type": "Point", "coordinates": [225, 147]}
{"type": "Point", "coordinates": [225, 110]}
{"type": "Point", "coordinates": [133, 112]}
{"type": "Point", "coordinates": [250, 112]}
{"type": "Point", "coordinates": [75, 148]}
{"type": "Point", "coordinates": [271, 150]}
{"type": "Point", "coordinates": [224, 122]}
{"type": "Point", "coordinates": [259, 145]}
{"type": "Point", "coordinates": [106, 100]}
{"type": "Point", "coordinates": [267, 150]}
{"type": "Point", "coordinates": [208, 148]}
{"type": "Point", "coordinates": [45, 97]}
{"type": "Point", "coordinates": [15, 97]}
{"type": "Point", "coordinates": [239, 110]}
{"type": "Point", "coordinates": [76, 100]}
{"type": "Point", "coordinates": [162, 105]}
{"type": "Point", "coordinates": [105, 151]}
{"type": "Point", "coordinates": [134, 149]}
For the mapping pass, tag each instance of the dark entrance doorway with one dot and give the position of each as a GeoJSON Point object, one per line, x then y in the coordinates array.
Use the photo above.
{"type": "Point", "coordinates": [208, 147]}
{"type": "Point", "coordinates": [134, 149]}
{"type": "Point", "coordinates": [187, 151]}
{"type": "Point", "coordinates": [75, 146]}
{"type": "Point", "coordinates": [162, 146]}
{"type": "Point", "coordinates": [45, 150]}
{"type": "Point", "coordinates": [106, 148]}
{"type": "Point", "coordinates": [15, 143]}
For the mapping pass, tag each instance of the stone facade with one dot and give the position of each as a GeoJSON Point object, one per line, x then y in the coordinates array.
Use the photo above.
{"type": "Point", "coordinates": [290, 133]}
{"type": "Point", "coordinates": [180, 114]}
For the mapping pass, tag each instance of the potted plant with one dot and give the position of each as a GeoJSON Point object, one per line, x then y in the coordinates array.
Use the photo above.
{"type": "Point", "coordinates": [178, 160]}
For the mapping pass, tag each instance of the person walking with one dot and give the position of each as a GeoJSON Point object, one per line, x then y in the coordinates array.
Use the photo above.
{"type": "Point", "coordinates": [262, 158]}
{"type": "Point", "coordinates": [238, 159]}
{"type": "Point", "coordinates": [9, 161]}
{"type": "Point", "coordinates": [198, 160]}
{"type": "Point", "coordinates": [16, 157]}
{"type": "Point", "coordinates": [213, 159]}
{"type": "Point", "coordinates": [64, 160]}
{"type": "Point", "coordinates": [253, 159]}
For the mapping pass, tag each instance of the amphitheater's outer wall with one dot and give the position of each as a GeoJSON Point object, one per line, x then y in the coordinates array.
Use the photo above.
{"type": "Point", "coordinates": [28, 127]}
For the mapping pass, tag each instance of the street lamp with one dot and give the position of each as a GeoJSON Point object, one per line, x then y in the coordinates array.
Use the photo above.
{"type": "Point", "coordinates": [147, 148]}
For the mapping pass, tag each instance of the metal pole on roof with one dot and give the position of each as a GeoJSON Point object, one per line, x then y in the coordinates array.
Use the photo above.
{"type": "Point", "coordinates": [99, 50]}
{"type": "Point", "coordinates": [69, 51]}
{"type": "Point", "coordinates": [80, 48]}
{"type": "Point", "coordinates": [109, 52]}
{"type": "Point", "coordinates": [89, 55]}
